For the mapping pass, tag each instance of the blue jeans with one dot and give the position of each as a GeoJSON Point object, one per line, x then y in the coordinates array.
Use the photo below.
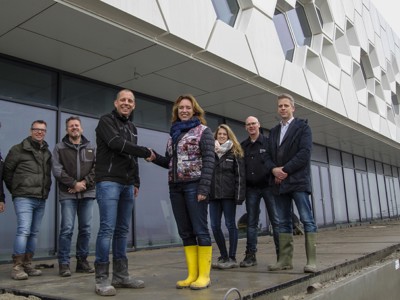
{"type": "Point", "coordinates": [83, 208]}
{"type": "Point", "coordinates": [253, 198]}
{"type": "Point", "coordinates": [115, 202]}
{"type": "Point", "coordinates": [190, 214]}
{"type": "Point", "coordinates": [284, 208]}
{"type": "Point", "coordinates": [228, 208]}
{"type": "Point", "coordinates": [29, 213]}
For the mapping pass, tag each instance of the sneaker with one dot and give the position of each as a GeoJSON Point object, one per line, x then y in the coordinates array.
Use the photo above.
{"type": "Point", "coordinates": [249, 260]}
{"type": "Point", "coordinates": [64, 271]}
{"type": "Point", "coordinates": [219, 261]}
{"type": "Point", "coordinates": [230, 264]}
{"type": "Point", "coordinates": [82, 266]}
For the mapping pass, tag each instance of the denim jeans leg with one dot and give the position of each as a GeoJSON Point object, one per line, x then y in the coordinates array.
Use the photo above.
{"type": "Point", "coordinates": [229, 209]}
{"type": "Point", "coordinates": [198, 213]}
{"type": "Point", "coordinates": [107, 195]}
{"type": "Point", "coordinates": [68, 212]}
{"type": "Point", "coordinates": [29, 212]}
{"type": "Point", "coordinates": [302, 201]}
{"type": "Point", "coordinates": [85, 214]}
{"type": "Point", "coordinates": [124, 217]}
{"type": "Point", "coordinates": [284, 208]}
{"type": "Point", "coordinates": [215, 218]}
{"type": "Point", "coordinates": [253, 198]}
{"type": "Point", "coordinates": [272, 215]}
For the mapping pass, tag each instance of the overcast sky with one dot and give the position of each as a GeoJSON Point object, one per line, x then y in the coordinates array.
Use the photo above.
{"type": "Point", "coordinates": [390, 9]}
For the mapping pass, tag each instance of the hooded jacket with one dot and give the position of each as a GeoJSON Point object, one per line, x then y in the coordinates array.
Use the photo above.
{"type": "Point", "coordinates": [73, 163]}
{"type": "Point", "coordinates": [27, 169]}
{"type": "Point", "coordinates": [294, 154]}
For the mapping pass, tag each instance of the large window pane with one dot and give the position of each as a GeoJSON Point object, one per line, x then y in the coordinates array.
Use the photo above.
{"type": "Point", "coordinates": [22, 82]}
{"type": "Point", "coordinates": [285, 37]}
{"type": "Point", "coordinates": [227, 10]}
{"type": "Point", "coordinates": [338, 194]}
{"type": "Point", "coordinates": [152, 115]}
{"type": "Point", "coordinates": [351, 195]}
{"type": "Point", "coordinates": [374, 195]}
{"type": "Point", "coordinates": [299, 23]}
{"type": "Point", "coordinates": [86, 96]}
{"type": "Point", "coordinates": [12, 133]}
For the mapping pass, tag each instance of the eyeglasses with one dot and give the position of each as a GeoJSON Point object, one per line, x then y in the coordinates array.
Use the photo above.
{"type": "Point", "coordinates": [252, 124]}
{"type": "Point", "coordinates": [38, 130]}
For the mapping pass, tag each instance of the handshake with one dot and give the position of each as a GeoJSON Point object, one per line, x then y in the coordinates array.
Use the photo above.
{"type": "Point", "coordinates": [151, 157]}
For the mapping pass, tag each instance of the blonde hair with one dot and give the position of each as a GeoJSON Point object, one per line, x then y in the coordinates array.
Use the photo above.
{"type": "Point", "coordinates": [236, 148]}
{"type": "Point", "coordinates": [197, 110]}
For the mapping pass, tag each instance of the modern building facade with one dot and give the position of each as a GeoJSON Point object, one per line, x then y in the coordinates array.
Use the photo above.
{"type": "Point", "coordinates": [338, 58]}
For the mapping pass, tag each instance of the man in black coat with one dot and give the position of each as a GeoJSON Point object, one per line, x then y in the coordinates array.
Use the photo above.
{"type": "Point", "coordinates": [288, 160]}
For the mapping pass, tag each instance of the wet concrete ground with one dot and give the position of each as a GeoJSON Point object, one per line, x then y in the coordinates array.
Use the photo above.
{"type": "Point", "coordinates": [339, 251]}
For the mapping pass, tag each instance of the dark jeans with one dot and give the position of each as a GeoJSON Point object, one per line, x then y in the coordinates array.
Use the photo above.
{"type": "Point", "coordinates": [190, 214]}
{"type": "Point", "coordinates": [284, 208]}
{"type": "Point", "coordinates": [228, 208]}
{"type": "Point", "coordinates": [253, 198]}
{"type": "Point", "coordinates": [115, 202]}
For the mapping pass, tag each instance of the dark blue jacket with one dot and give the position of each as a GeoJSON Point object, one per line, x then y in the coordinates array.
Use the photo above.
{"type": "Point", "coordinates": [257, 175]}
{"type": "Point", "coordinates": [2, 197]}
{"type": "Point", "coordinates": [294, 154]}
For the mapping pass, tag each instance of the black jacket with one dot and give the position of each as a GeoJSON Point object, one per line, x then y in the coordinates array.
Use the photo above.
{"type": "Point", "coordinates": [229, 180]}
{"type": "Point", "coordinates": [257, 174]}
{"type": "Point", "coordinates": [27, 170]}
{"type": "Point", "coordinates": [73, 163]}
{"type": "Point", "coordinates": [117, 150]}
{"type": "Point", "coordinates": [294, 154]}
{"type": "Point", "coordinates": [2, 197]}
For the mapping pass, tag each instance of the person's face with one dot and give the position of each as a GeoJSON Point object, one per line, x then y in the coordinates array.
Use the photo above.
{"type": "Point", "coordinates": [185, 110]}
{"type": "Point", "coordinates": [38, 132]}
{"type": "Point", "coordinates": [74, 129]}
{"type": "Point", "coordinates": [222, 136]}
{"type": "Point", "coordinates": [125, 103]}
{"type": "Point", "coordinates": [252, 126]}
{"type": "Point", "coordinates": [285, 109]}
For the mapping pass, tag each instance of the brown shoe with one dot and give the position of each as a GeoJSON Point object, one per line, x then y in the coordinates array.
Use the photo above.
{"type": "Point", "coordinates": [28, 268]}
{"type": "Point", "coordinates": [63, 270]}
{"type": "Point", "coordinates": [18, 272]}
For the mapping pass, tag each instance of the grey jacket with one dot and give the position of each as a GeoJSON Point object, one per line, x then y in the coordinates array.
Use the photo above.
{"type": "Point", "coordinates": [72, 164]}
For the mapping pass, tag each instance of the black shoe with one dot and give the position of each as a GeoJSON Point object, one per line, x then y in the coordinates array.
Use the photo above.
{"type": "Point", "coordinates": [82, 266]}
{"type": "Point", "coordinates": [63, 270]}
{"type": "Point", "coordinates": [249, 260]}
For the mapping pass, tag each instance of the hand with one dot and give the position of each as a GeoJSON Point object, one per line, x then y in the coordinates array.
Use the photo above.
{"type": "Point", "coordinates": [201, 197]}
{"type": "Point", "coordinates": [135, 191]}
{"type": "Point", "coordinates": [2, 207]}
{"type": "Point", "coordinates": [152, 156]}
{"type": "Point", "coordinates": [80, 186]}
{"type": "Point", "coordinates": [279, 173]}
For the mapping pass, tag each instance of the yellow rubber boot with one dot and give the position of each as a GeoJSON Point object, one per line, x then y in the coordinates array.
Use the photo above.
{"type": "Point", "coordinates": [192, 265]}
{"type": "Point", "coordinates": [203, 281]}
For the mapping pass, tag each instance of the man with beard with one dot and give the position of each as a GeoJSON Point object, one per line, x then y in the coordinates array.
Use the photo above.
{"type": "Point", "coordinates": [73, 167]}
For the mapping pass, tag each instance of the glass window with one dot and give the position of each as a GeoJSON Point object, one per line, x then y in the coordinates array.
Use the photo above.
{"type": "Point", "coordinates": [351, 195]}
{"type": "Point", "coordinates": [12, 133]}
{"type": "Point", "coordinates": [227, 10]}
{"type": "Point", "coordinates": [86, 96]}
{"type": "Point", "coordinates": [319, 153]}
{"type": "Point", "coordinates": [299, 23]}
{"type": "Point", "coordinates": [284, 34]}
{"type": "Point", "coordinates": [213, 121]}
{"type": "Point", "coordinates": [347, 160]}
{"type": "Point", "coordinates": [338, 194]}
{"type": "Point", "coordinates": [374, 195]}
{"type": "Point", "coordinates": [239, 130]}
{"type": "Point", "coordinates": [319, 15]}
{"type": "Point", "coordinates": [359, 163]}
{"type": "Point", "coordinates": [334, 157]}
{"type": "Point", "coordinates": [20, 81]}
{"type": "Point", "coordinates": [151, 114]}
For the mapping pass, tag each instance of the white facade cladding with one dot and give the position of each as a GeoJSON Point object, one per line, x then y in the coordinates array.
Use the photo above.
{"type": "Point", "coordinates": [338, 58]}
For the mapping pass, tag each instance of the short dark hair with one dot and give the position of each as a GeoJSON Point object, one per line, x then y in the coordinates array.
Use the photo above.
{"type": "Point", "coordinates": [40, 122]}
{"type": "Point", "coordinates": [286, 96]}
{"type": "Point", "coordinates": [70, 119]}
